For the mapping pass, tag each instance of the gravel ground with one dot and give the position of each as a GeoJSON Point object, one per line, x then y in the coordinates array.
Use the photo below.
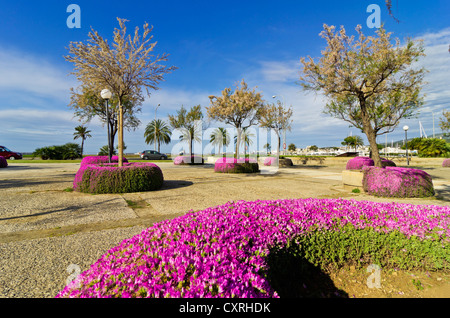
{"type": "Point", "coordinates": [45, 231]}
{"type": "Point", "coordinates": [39, 268]}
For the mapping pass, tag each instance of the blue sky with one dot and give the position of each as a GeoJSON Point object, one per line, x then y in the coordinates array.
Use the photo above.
{"type": "Point", "coordinates": [214, 44]}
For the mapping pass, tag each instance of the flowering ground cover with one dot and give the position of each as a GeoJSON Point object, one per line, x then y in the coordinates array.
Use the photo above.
{"type": "Point", "coordinates": [270, 161]}
{"type": "Point", "coordinates": [100, 159]}
{"type": "Point", "coordinates": [188, 160]}
{"type": "Point", "coordinates": [397, 182]}
{"type": "Point", "coordinates": [3, 162]}
{"type": "Point", "coordinates": [446, 162]}
{"type": "Point", "coordinates": [96, 176]}
{"type": "Point", "coordinates": [223, 251]}
{"type": "Point", "coordinates": [357, 163]}
{"type": "Point", "coordinates": [236, 165]}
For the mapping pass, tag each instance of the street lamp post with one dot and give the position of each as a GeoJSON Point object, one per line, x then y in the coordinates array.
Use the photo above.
{"type": "Point", "coordinates": [106, 95]}
{"type": "Point", "coordinates": [155, 126]}
{"type": "Point", "coordinates": [405, 128]}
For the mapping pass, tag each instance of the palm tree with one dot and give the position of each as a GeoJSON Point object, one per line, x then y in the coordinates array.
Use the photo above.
{"type": "Point", "coordinates": [353, 141]}
{"type": "Point", "coordinates": [83, 133]}
{"type": "Point", "coordinates": [189, 124]}
{"type": "Point", "coordinates": [246, 139]}
{"type": "Point", "coordinates": [157, 130]}
{"type": "Point", "coordinates": [220, 137]}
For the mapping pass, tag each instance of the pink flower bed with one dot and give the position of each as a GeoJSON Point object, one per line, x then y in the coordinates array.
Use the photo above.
{"type": "Point", "coordinates": [221, 251]}
{"type": "Point", "coordinates": [236, 165]}
{"type": "Point", "coordinates": [96, 175]}
{"type": "Point", "coordinates": [100, 159]}
{"type": "Point", "coordinates": [109, 178]}
{"type": "Point", "coordinates": [397, 182]}
{"type": "Point", "coordinates": [358, 163]}
{"type": "Point", "coordinates": [188, 160]}
{"type": "Point", "coordinates": [3, 162]}
{"type": "Point", "coordinates": [446, 162]}
{"type": "Point", "coordinates": [270, 161]}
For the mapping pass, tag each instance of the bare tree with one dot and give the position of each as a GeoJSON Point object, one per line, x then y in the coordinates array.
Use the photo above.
{"type": "Point", "coordinates": [123, 67]}
{"type": "Point", "coordinates": [368, 82]}
{"type": "Point", "coordinates": [240, 108]}
{"type": "Point", "coordinates": [276, 117]}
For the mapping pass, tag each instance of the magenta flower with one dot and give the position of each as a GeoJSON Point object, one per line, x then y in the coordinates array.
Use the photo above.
{"type": "Point", "coordinates": [221, 251]}
{"type": "Point", "coordinates": [235, 165]}
{"type": "Point", "coordinates": [185, 160]}
{"type": "Point", "coordinates": [446, 162]}
{"type": "Point", "coordinates": [109, 178]}
{"type": "Point", "coordinates": [270, 161]}
{"type": "Point", "coordinates": [3, 162]}
{"type": "Point", "coordinates": [357, 163]}
{"type": "Point", "coordinates": [397, 182]}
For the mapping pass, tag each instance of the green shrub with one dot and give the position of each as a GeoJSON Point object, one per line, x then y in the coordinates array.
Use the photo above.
{"type": "Point", "coordinates": [361, 247]}
{"type": "Point", "coordinates": [104, 151]}
{"type": "Point", "coordinates": [233, 165]}
{"type": "Point", "coordinates": [65, 152]}
{"type": "Point", "coordinates": [109, 178]}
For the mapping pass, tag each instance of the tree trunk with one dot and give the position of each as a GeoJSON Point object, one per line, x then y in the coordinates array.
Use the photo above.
{"type": "Point", "coordinates": [82, 146]}
{"type": "Point", "coordinates": [238, 142]}
{"type": "Point", "coordinates": [279, 143]}
{"type": "Point", "coordinates": [371, 135]}
{"type": "Point", "coordinates": [190, 150]}
{"type": "Point", "coordinates": [120, 134]}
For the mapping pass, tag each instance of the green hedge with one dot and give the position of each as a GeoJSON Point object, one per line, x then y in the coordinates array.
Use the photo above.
{"type": "Point", "coordinates": [305, 260]}
{"type": "Point", "coordinates": [362, 247]}
{"type": "Point", "coordinates": [64, 152]}
{"type": "Point", "coordinates": [109, 178]}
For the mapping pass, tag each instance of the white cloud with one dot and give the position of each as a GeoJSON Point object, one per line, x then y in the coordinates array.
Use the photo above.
{"type": "Point", "coordinates": [25, 74]}
{"type": "Point", "coordinates": [279, 78]}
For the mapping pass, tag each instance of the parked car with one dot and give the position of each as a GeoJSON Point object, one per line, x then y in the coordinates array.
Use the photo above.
{"type": "Point", "coordinates": [152, 154]}
{"type": "Point", "coordinates": [8, 154]}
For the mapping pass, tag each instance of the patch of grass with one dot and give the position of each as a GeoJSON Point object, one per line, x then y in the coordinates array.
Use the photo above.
{"type": "Point", "coordinates": [70, 189]}
{"type": "Point", "coordinates": [418, 284]}
{"type": "Point", "coordinates": [360, 247]}
{"type": "Point", "coordinates": [47, 161]}
{"type": "Point", "coordinates": [356, 190]}
{"type": "Point", "coordinates": [131, 203]}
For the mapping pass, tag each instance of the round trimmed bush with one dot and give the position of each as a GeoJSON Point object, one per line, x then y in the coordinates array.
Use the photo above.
{"type": "Point", "coordinates": [234, 165]}
{"type": "Point", "coordinates": [282, 162]}
{"type": "Point", "coordinates": [357, 163]}
{"type": "Point", "coordinates": [397, 182]}
{"type": "Point", "coordinates": [228, 251]}
{"type": "Point", "coordinates": [188, 160]}
{"type": "Point", "coordinates": [100, 159]}
{"type": "Point", "coordinates": [446, 162]}
{"type": "Point", "coordinates": [3, 162]}
{"type": "Point", "coordinates": [270, 161]}
{"type": "Point", "coordinates": [110, 178]}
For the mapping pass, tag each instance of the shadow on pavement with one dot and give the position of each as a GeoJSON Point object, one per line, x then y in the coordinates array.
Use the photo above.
{"type": "Point", "coordinates": [175, 184]}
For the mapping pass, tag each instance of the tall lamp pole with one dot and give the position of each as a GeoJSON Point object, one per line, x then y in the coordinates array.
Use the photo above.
{"type": "Point", "coordinates": [106, 95]}
{"type": "Point", "coordinates": [155, 126]}
{"type": "Point", "coordinates": [405, 128]}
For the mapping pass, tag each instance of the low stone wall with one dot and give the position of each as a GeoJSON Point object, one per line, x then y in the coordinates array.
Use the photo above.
{"type": "Point", "coordinates": [352, 178]}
